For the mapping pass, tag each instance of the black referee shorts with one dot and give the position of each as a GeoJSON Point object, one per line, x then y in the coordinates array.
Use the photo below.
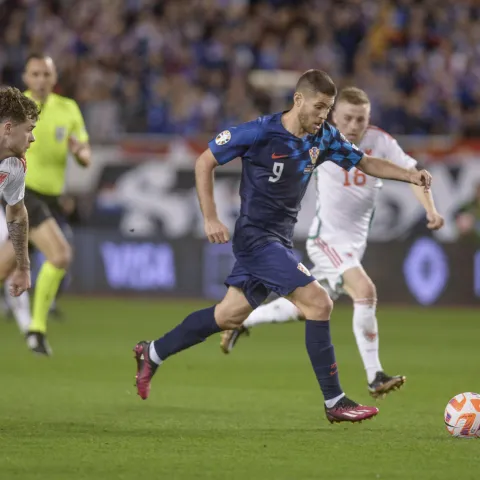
{"type": "Point", "coordinates": [40, 207]}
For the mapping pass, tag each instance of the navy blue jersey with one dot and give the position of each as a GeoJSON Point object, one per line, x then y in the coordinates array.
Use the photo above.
{"type": "Point", "coordinates": [277, 167]}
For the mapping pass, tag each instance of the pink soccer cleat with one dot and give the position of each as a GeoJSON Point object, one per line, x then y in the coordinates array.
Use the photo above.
{"type": "Point", "coordinates": [346, 410]}
{"type": "Point", "coordinates": [145, 369]}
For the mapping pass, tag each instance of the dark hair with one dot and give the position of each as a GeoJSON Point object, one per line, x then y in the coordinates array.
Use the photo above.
{"type": "Point", "coordinates": [315, 81]}
{"type": "Point", "coordinates": [353, 95]}
{"type": "Point", "coordinates": [15, 106]}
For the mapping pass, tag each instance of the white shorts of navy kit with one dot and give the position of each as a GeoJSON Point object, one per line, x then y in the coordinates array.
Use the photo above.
{"type": "Point", "coordinates": [331, 260]}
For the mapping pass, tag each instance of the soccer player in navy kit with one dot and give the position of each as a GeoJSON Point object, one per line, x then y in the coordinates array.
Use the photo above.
{"type": "Point", "coordinates": [279, 154]}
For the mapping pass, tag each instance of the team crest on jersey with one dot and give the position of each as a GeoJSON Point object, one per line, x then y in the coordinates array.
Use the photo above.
{"type": "Point", "coordinates": [223, 137]}
{"type": "Point", "coordinates": [314, 153]}
{"type": "Point", "coordinates": [304, 269]}
{"type": "Point", "coordinates": [3, 178]}
{"type": "Point", "coordinates": [60, 133]}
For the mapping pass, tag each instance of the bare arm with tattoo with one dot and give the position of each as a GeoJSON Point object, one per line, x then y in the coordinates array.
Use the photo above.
{"type": "Point", "coordinates": [17, 223]}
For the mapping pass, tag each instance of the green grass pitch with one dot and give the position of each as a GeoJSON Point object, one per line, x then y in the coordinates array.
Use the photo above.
{"type": "Point", "coordinates": [256, 414]}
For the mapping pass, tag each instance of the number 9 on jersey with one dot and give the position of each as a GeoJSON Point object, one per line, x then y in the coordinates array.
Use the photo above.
{"type": "Point", "coordinates": [277, 172]}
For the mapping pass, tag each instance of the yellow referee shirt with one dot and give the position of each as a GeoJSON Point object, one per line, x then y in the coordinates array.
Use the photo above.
{"type": "Point", "coordinates": [59, 119]}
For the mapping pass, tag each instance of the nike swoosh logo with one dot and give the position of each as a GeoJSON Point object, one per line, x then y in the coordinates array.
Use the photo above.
{"type": "Point", "coordinates": [275, 156]}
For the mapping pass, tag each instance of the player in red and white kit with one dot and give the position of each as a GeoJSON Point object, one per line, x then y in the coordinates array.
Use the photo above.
{"type": "Point", "coordinates": [338, 236]}
{"type": "Point", "coordinates": [18, 116]}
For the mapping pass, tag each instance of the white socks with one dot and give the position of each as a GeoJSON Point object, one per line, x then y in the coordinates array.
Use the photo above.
{"type": "Point", "coordinates": [153, 354]}
{"type": "Point", "coordinates": [365, 329]}
{"type": "Point", "coordinates": [20, 307]}
{"type": "Point", "coordinates": [280, 310]}
{"type": "Point", "coordinates": [333, 401]}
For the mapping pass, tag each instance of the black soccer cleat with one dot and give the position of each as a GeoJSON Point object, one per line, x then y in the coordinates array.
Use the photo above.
{"type": "Point", "coordinates": [230, 337]}
{"type": "Point", "coordinates": [384, 384]}
{"type": "Point", "coordinates": [37, 343]}
{"type": "Point", "coordinates": [346, 410]}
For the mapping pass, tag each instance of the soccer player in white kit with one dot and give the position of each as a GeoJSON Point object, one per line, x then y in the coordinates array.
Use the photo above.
{"type": "Point", "coordinates": [338, 236]}
{"type": "Point", "coordinates": [18, 116]}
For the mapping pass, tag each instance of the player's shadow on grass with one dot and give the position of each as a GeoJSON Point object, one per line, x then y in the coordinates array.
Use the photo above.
{"type": "Point", "coordinates": [168, 429]}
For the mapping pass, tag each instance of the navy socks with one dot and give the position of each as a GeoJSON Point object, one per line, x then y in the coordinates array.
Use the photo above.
{"type": "Point", "coordinates": [322, 356]}
{"type": "Point", "coordinates": [194, 329]}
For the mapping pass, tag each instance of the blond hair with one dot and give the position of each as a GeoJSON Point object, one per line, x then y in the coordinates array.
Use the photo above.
{"type": "Point", "coordinates": [353, 95]}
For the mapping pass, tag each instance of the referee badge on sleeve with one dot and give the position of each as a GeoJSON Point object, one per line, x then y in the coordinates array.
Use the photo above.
{"type": "Point", "coordinates": [60, 133]}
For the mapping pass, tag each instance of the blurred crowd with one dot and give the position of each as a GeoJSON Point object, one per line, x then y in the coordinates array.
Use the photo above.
{"type": "Point", "coordinates": [467, 217]}
{"type": "Point", "coordinates": [182, 66]}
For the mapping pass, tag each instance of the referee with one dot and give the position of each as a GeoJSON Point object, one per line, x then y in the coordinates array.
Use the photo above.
{"type": "Point", "coordinates": [60, 129]}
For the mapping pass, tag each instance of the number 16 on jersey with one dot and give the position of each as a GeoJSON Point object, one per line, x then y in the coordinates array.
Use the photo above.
{"type": "Point", "coordinates": [277, 172]}
{"type": "Point", "coordinates": [359, 178]}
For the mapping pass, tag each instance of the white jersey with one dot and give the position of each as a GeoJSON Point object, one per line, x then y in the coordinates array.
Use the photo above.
{"type": "Point", "coordinates": [346, 200]}
{"type": "Point", "coordinates": [12, 179]}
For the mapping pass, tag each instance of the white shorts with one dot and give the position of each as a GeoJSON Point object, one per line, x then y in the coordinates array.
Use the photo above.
{"type": "Point", "coordinates": [3, 226]}
{"type": "Point", "coordinates": [331, 260]}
